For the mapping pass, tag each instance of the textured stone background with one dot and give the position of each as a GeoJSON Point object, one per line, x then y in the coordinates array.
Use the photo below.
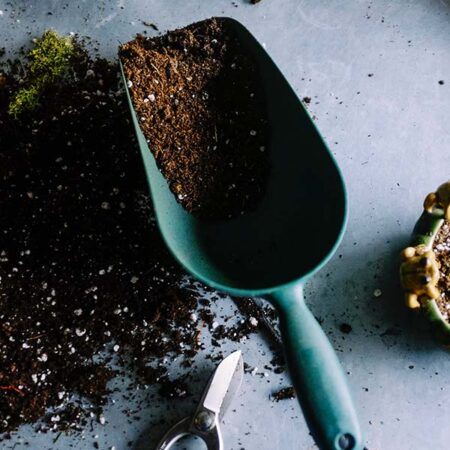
{"type": "Point", "coordinates": [390, 134]}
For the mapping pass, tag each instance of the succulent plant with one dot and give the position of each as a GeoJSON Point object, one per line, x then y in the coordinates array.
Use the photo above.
{"type": "Point", "coordinates": [418, 268]}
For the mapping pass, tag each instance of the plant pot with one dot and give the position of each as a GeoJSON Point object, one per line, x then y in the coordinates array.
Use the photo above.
{"type": "Point", "coordinates": [419, 270]}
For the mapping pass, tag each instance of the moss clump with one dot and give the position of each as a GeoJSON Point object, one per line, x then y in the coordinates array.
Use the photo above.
{"type": "Point", "coordinates": [27, 99]}
{"type": "Point", "coordinates": [48, 61]}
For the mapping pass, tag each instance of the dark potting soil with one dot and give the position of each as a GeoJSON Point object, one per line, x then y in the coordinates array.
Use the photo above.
{"type": "Point", "coordinates": [441, 248]}
{"type": "Point", "coordinates": [200, 105]}
{"type": "Point", "coordinates": [82, 267]}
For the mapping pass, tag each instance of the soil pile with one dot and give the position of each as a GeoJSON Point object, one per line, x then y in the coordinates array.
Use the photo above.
{"type": "Point", "coordinates": [82, 266]}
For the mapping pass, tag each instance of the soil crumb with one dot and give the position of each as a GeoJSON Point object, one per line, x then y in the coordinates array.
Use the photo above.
{"type": "Point", "coordinates": [286, 393]}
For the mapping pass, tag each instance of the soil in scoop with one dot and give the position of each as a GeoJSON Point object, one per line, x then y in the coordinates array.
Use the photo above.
{"type": "Point", "coordinates": [441, 248]}
{"type": "Point", "coordinates": [200, 105]}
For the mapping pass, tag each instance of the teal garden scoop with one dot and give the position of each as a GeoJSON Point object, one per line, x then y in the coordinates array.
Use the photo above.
{"type": "Point", "coordinates": [274, 249]}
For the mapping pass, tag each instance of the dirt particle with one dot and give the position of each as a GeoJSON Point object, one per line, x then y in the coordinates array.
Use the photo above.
{"type": "Point", "coordinates": [345, 328]}
{"type": "Point", "coordinates": [150, 24]}
{"type": "Point", "coordinates": [286, 393]}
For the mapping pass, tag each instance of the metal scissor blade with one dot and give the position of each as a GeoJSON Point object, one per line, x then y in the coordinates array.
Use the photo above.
{"type": "Point", "coordinates": [223, 384]}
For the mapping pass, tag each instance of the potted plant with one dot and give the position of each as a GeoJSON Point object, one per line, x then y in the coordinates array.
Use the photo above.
{"type": "Point", "coordinates": [421, 271]}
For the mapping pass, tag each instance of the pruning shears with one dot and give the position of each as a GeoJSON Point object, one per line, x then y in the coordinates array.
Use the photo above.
{"type": "Point", "coordinates": [215, 400]}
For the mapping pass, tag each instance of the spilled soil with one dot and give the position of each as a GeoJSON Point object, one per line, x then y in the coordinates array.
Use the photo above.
{"type": "Point", "coordinates": [83, 270]}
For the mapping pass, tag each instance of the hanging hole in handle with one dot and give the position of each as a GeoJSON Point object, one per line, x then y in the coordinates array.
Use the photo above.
{"type": "Point", "coordinates": [346, 441]}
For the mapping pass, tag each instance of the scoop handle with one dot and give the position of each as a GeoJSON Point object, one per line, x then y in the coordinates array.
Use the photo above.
{"type": "Point", "coordinates": [317, 375]}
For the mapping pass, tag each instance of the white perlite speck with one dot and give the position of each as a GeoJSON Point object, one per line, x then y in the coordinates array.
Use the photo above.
{"type": "Point", "coordinates": [79, 332]}
{"type": "Point", "coordinates": [377, 293]}
{"type": "Point", "coordinates": [106, 205]}
{"type": "Point", "coordinates": [43, 357]}
{"type": "Point", "coordinates": [253, 321]}
{"type": "Point", "coordinates": [214, 325]}
{"type": "Point", "coordinates": [134, 280]}
{"type": "Point", "coordinates": [152, 97]}
{"type": "Point", "coordinates": [129, 84]}
{"type": "Point", "coordinates": [78, 312]}
{"type": "Point", "coordinates": [116, 348]}
{"type": "Point", "coordinates": [102, 419]}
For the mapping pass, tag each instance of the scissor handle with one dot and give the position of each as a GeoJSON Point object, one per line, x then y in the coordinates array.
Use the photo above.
{"type": "Point", "coordinates": [212, 438]}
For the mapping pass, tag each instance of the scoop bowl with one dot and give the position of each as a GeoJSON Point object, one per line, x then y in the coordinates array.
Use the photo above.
{"type": "Point", "coordinates": [274, 249]}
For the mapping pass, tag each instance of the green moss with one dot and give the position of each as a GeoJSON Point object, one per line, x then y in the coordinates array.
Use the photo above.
{"type": "Point", "coordinates": [27, 99]}
{"type": "Point", "coordinates": [48, 60]}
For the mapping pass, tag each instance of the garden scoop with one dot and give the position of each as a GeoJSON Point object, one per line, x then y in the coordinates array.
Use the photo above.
{"type": "Point", "coordinates": [274, 249]}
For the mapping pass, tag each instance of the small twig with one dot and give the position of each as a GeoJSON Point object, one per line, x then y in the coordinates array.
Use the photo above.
{"type": "Point", "coordinates": [175, 63]}
{"type": "Point", "coordinates": [36, 337]}
{"type": "Point", "coordinates": [11, 388]}
{"type": "Point", "coordinates": [197, 337]}
{"type": "Point", "coordinates": [157, 71]}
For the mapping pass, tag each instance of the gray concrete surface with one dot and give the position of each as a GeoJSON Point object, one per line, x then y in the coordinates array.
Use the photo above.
{"type": "Point", "coordinates": [391, 136]}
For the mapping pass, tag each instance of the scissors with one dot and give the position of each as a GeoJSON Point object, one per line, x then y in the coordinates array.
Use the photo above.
{"type": "Point", "coordinates": [217, 396]}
